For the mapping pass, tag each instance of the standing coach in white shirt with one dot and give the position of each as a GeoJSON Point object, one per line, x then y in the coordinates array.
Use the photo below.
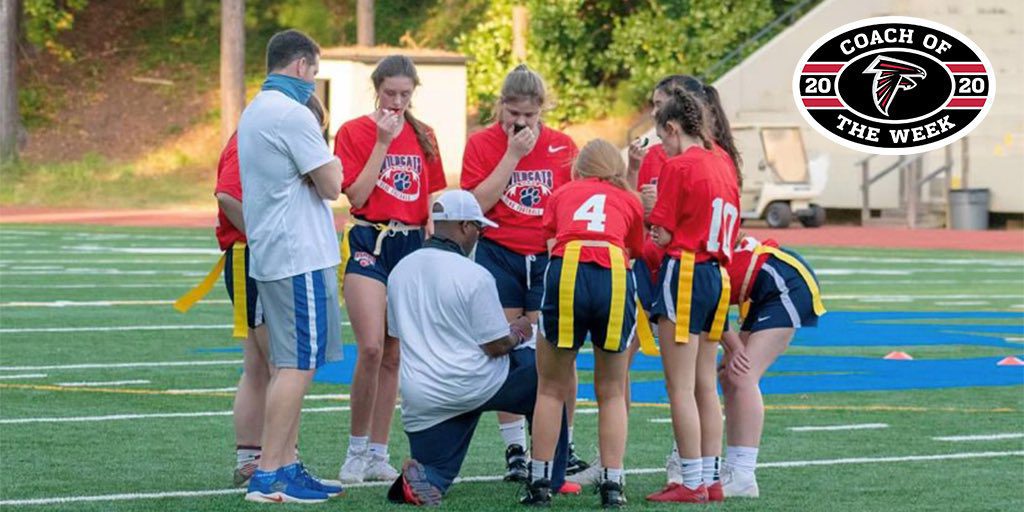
{"type": "Point", "coordinates": [294, 255]}
{"type": "Point", "coordinates": [457, 352]}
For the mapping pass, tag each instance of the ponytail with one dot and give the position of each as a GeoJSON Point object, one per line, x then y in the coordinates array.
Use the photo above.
{"type": "Point", "coordinates": [688, 112]}
{"type": "Point", "coordinates": [718, 123]}
{"type": "Point", "coordinates": [400, 65]}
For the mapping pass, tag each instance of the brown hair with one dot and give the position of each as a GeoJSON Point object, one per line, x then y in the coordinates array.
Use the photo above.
{"type": "Point", "coordinates": [522, 83]}
{"type": "Point", "coordinates": [600, 159]}
{"type": "Point", "coordinates": [317, 108]}
{"type": "Point", "coordinates": [685, 109]}
{"type": "Point", "coordinates": [719, 123]}
{"type": "Point", "coordinates": [400, 65]}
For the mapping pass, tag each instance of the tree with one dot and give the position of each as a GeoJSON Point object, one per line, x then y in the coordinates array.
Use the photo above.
{"type": "Point", "coordinates": [364, 23]}
{"type": "Point", "coordinates": [232, 65]}
{"type": "Point", "coordinates": [10, 121]}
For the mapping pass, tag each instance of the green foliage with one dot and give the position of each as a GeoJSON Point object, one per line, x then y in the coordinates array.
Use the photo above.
{"type": "Point", "coordinates": [46, 19]}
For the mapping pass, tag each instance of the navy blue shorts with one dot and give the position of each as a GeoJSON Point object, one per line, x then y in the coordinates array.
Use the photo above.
{"type": "Point", "coordinates": [707, 289]}
{"type": "Point", "coordinates": [646, 289]}
{"type": "Point", "coordinates": [520, 278]}
{"type": "Point", "coordinates": [591, 305]}
{"type": "Point", "coordinates": [253, 306]}
{"type": "Point", "coordinates": [780, 297]}
{"type": "Point", "coordinates": [396, 245]}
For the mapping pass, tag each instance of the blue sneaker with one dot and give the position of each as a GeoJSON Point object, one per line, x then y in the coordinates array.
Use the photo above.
{"type": "Point", "coordinates": [282, 486]}
{"type": "Point", "coordinates": [331, 488]}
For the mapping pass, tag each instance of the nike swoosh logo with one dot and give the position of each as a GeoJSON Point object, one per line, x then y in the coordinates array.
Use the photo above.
{"type": "Point", "coordinates": [555, 149]}
{"type": "Point", "coordinates": [763, 318]}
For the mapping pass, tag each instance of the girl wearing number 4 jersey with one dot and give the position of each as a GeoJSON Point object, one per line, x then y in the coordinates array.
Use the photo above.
{"type": "Point", "coordinates": [696, 219]}
{"type": "Point", "coordinates": [777, 293]}
{"type": "Point", "coordinates": [594, 226]}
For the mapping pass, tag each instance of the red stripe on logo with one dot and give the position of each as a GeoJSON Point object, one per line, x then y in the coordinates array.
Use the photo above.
{"type": "Point", "coordinates": [822, 102]}
{"type": "Point", "coordinates": [822, 68]}
{"type": "Point", "coordinates": [966, 68]}
{"type": "Point", "coordinates": [966, 102]}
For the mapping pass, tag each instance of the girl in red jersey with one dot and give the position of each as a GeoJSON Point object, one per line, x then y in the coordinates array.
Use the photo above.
{"type": "Point", "coordinates": [777, 293]}
{"type": "Point", "coordinates": [512, 168]}
{"type": "Point", "coordinates": [594, 226]}
{"type": "Point", "coordinates": [696, 219]}
{"type": "Point", "coordinates": [392, 166]}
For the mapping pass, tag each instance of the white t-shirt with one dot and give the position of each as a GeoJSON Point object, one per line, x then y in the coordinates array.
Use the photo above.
{"type": "Point", "coordinates": [289, 227]}
{"type": "Point", "coordinates": [442, 306]}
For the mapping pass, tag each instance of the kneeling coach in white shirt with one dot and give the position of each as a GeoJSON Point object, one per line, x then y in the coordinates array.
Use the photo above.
{"type": "Point", "coordinates": [457, 359]}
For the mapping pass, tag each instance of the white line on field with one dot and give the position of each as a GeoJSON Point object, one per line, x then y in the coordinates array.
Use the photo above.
{"type": "Point", "coordinates": [200, 390]}
{"type": "Point", "coordinates": [23, 376]}
{"type": "Point", "coordinates": [495, 478]}
{"type": "Point", "coordinates": [960, 302]}
{"type": "Point", "coordinates": [1014, 339]}
{"type": "Point", "coordinates": [587, 410]}
{"type": "Point", "coordinates": [133, 261]}
{"type": "Point", "coordinates": [119, 417]}
{"type": "Point", "coordinates": [922, 261]}
{"type": "Point", "coordinates": [104, 271]}
{"type": "Point", "coordinates": [98, 303]}
{"type": "Point", "coordinates": [101, 384]}
{"type": "Point", "coordinates": [985, 437]}
{"type": "Point", "coordinates": [327, 397]}
{"type": "Point", "coordinates": [858, 426]}
{"type": "Point", "coordinates": [90, 366]}
{"type": "Point", "coordinates": [857, 296]}
{"type": "Point", "coordinates": [143, 250]}
{"type": "Point", "coordinates": [102, 285]}
{"type": "Point", "coordinates": [660, 420]}
{"type": "Point", "coordinates": [15, 330]}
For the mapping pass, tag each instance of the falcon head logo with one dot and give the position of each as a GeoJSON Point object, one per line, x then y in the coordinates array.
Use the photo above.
{"type": "Point", "coordinates": [891, 76]}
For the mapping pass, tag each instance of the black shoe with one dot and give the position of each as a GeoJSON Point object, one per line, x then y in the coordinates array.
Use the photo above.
{"type": "Point", "coordinates": [612, 495]}
{"type": "Point", "coordinates": [516, 464]}
{"type": "Point", "coordinates": [538, 493]}
{"type": "Point", "coordinates": [574, 464]}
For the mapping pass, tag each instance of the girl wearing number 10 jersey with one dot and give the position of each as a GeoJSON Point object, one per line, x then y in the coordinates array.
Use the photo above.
{"type": "Point", "coordinates": [696, 218]}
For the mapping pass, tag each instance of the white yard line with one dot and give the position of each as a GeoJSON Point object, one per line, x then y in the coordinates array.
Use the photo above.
{"type": "Point", "coordinates": [980, 437]}
{"type": "Point", "coordinates": [858, 426]}
{"type": "Point", "coordinates": [102, 384]}
{"type": "Point", "coordinates": [201, 390]}
{"type": "Point", "coordinates": [587, 410]}
{"type": "Point", "coordinates": [127, 261]}
{"type": "Point", "coordinates": [495, 478]}
{"type": "Point", "coordinates": [104, 271]}
{"type": "Point", "coordinates": [121, 417]}
{"type": "Point", "coordinates": [341, 396]}
{"type": "Point", "coordinates": [660, 420]}
{"type": "Point", "coordinates": [104, 366]}
{"type": "Point", "coordinates": [98, 303]}
{"type": "Point", "coordinates": [23, 376]}
{"type": "Point", "coordinates": [181, 283]}
{"type": "Point", "coordinates": [933, 262]}
{"type": "Point", "coordinates": [121, 328]}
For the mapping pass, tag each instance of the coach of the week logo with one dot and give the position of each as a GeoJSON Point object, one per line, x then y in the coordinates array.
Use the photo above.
{"type": "Point", "coordinates": [894, 85]}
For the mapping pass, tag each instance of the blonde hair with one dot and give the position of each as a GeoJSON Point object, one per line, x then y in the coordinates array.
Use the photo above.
{"type": "Point", "coordinates": [600, 159]}
{"type": "Point", "coordinates": [522, 83]}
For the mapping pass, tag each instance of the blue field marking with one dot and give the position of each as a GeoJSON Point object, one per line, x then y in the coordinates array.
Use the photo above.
{"type": "Point", "coordinates": [863, 329]}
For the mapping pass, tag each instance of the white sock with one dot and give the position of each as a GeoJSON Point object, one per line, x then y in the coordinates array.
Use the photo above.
{"type": "Point", "coordinates": [570, 434]}
{"type": "Point", "coordinates": [357, 444]}
{"type": "Point", "coordinates": [379, 450]}
{"type": "Point", "coordinates": [691, 472]}
{"type": "Point", "coordinates": [675, 449]}
{"type": "Point", "coordinates": [709, 470]}
{"type": "Point", "coordinates": [540, 469]}
{"type": "Point", "coordinates": [514, 433]}
{"type": "Point", "coordinates": [532, 342]}
{"type": "Point", "coordinates": [617, 475]}
{"type": "Point", "coordinates": [741, 459]}
{"type": "Point", "coordinates": [245, 455]}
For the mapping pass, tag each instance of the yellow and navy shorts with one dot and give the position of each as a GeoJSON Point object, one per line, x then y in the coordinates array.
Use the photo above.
{"type": "Point", "coordinates": [780, 297]}
{"type": "Point", "coordinates": [362, 241]}
{"type": "Point", "coordinates": [253, 305]}
{"type": "Point", "coordinates": [704, 297]}
{"type": "Point", "coordinates": [570, 315]}
{"type": "Point", "coordinates": [520, 278]}
{"type": "Point", "coordinates": [646, 287]}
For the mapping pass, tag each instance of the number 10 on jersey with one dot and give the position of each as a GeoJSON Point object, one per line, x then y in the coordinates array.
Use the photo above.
{"type": "Point", "coordinates": [723, 220]}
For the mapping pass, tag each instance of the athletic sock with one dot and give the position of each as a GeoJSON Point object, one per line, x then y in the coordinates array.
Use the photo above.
{"type": "Point", "coordinates": [710, 470]}
{"type": "Point", "coordinates": [691, 472]}
{"type": "Point", "coordinates": [675, 449]}
{"type": "Point", "coordinates": [540, 469]}
{"type": "Point", "coordinates": [378, 450]}
{"type": "Point", "coordinates": [741, 459]}
{"type": "Point", "coordinates": [246, 454]}
{"type": "Point", "coordinates": [570, 434]}
{"type": "Point", "coordinates": [514, 433]}
{"type": "Point", "coordinates": [357, 445]}
{"type": "Point", "coordinates": [617, 475]}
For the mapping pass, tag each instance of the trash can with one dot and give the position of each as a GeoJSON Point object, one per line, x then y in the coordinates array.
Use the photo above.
{"type": "Point", "coordinates": [968, 208]}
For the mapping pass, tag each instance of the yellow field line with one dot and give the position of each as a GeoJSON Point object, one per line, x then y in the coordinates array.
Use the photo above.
{"type": "Point", "coordinates": [866, 408]}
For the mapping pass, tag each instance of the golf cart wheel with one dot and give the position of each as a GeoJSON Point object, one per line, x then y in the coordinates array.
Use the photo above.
{"type": "Point", "coordinates": [778, 215]}
{"type": "Point", "coordinates": [815, 219]}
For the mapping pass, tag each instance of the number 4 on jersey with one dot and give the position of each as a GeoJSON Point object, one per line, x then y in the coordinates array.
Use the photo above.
{"type": "Point", "coordinates": [592, 210]}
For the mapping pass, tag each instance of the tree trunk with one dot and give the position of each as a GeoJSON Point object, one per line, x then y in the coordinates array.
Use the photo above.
{"type": "Point", "coordinates": [232, 65]}
{"type": "Point", "coordinates": [9, 118]}
{"type": "Point", "coordinates": [364, 23]}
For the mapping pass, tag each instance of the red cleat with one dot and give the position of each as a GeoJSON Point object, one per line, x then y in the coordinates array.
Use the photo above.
{"type": "Point", "coordinates": [668, 487]}
{"type": "Point", "coordinates": [715, 492]}
{"type": "Point", "coordinates": [571, 488]}
{"type": "Point", "coordinates": [681, 494]}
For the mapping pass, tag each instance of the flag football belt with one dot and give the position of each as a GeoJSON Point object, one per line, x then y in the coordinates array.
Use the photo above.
{"type": "Point", "coordinates": [567, 293]}
{"type": "Point", "coordinates": [788, 259]}
{"type": "Point", "coordinates": [237, 255]}
{"type": "Point", "coordinates": [684, 301]}
{"type": "Point", "coordinates": [386, 230]}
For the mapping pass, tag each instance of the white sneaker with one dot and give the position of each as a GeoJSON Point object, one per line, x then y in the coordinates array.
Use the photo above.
{"type": "Point", "coordinates": [739, 485]}
{"type": "Point", "coordinates": [673, 470]}
{"type": "Point", "coordinates": [353, 471]}
{"type": "Point", "coordinates": [379, 470]}
{"type": "Point", "coordinates": [592, 475]}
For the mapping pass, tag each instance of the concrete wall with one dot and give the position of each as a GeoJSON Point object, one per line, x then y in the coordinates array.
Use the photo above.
{"type": "Point", "coordinates": [759, 90]}
{"type": "Point", "coordinates": [440, 101]}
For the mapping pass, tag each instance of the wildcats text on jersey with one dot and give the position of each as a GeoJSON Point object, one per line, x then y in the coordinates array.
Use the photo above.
{"type": "Point", "coordinates": [401, 176]}
{"type": "Point", "coordinates": [527, 189]}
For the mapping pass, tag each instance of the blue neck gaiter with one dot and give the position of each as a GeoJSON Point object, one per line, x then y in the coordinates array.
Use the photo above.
{"type": "Point", "coordinates": [294, 88]}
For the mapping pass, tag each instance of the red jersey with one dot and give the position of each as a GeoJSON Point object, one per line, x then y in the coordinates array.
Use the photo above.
{"type": "Point", "coordinates": [406, 177]}
{"type": "Point", "coordinates": [698, 202]}
{"type": "Point", "coordinates": [520, 210]}
{"type": "Point", "coordinates": [650, 170]}
{"type": "Point", "coordinates": [228, 182]}
{"type": "Point", "coordinates": [591, 209]}
{"type": "Point", "coordinates": [743, 262]}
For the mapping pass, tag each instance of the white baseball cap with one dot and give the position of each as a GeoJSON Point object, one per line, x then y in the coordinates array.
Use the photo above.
{"type": "Point", "coordinates": [459, 205]}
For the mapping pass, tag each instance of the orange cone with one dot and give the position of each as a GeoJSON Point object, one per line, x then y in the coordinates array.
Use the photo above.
{"type": "Point", "coordinates": [898, 356]}
{"type": "Point", "coordinates": [1010, 361]}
